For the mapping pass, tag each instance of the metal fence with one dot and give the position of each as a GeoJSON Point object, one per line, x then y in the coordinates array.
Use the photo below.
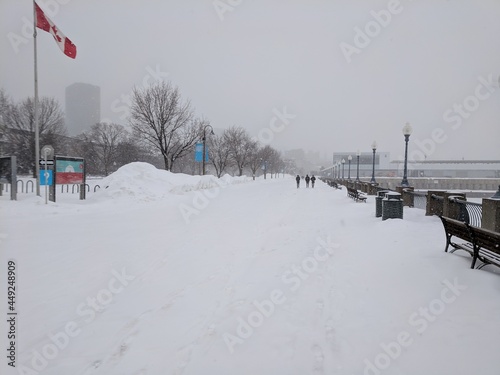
{"type": "Point", "coordinates": [419, 199]}
{"type": "Point", "coordinates": [468, 212]}
{"type": "Point", "coordinates": [29, 187]}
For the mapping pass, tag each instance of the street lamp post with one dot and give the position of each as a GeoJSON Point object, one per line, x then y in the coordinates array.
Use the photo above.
{"type": "Point", "coordinates": [333, 167]}
{"type": "Point", "coordinates": [407, 130]}
{"type": "Point", "coordinates": [204, 144]}
{"type": "Point", "coordinates": [343, 163]}
{"type": "Point", "coordinates": [349, 158]}
{"type": "Point", "coordinates": [374, 148]}
{"type": "Point", "coordinates": [358, 154]}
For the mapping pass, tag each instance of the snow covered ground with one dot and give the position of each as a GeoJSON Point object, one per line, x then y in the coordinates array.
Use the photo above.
{"type": "Point", "coordinates": [174, 274]}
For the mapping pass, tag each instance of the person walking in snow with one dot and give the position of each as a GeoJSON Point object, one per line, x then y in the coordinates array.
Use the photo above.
{"type": "Point", "coordinates": [313, 179]}
{"type": "Point", "coordinates": [298, 180]}
{"type": "Point", "coordinates": [307, 180]}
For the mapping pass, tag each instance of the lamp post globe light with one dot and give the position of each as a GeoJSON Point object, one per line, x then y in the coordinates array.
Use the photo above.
{"type": "Point", "coordinates": [203, 157]}
{"type": "Point", "coordinates": [407, 130]}
{"type": "Point", "coordinates": [338, 169]}
{"type": "Point", "coordinates": [358, 154]}
{"type": "Point", "coordinates": [374, 148]}
{"type": "Point", "coordinates": [343, 163]}
{"type": "Point", "coordinates": [349, 158]}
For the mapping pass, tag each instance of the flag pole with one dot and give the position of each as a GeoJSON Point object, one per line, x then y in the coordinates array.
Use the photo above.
{"type": "Point", "coordinates": [37, 135]}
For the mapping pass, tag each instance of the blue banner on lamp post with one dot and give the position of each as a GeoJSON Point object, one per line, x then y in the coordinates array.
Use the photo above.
{"type": "Point", "coordinates": [198, 152]}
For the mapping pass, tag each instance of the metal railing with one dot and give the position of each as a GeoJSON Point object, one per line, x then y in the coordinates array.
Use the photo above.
{"type": "Point", "coordinates": [419, 199]}
{"type": "Point", "coordinates": [437, 197]}
{"type": "Point", "coordinates": [468, 212]}
{"type": "Point", "coordinates": [29, 187]}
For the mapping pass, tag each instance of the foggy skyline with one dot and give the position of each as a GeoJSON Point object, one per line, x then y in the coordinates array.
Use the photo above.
{"type": "Point", "coordinates": [309, 70]}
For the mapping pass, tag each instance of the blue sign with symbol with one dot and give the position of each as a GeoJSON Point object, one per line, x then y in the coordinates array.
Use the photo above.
{"type": "Point", "coordinates": [46, 177]}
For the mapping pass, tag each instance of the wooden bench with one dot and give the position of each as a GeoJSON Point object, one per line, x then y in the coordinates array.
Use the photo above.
{"type": "Point", "coordinates": [455, 228]}
{"type": "Point", "coordinates": [480, 243]}
{"type": "Point", "coordinates": [356, 195]}
{"type": "Point", "coordinates": [486, 247]}
{"type": "Point", "coordinates": [333, 184]}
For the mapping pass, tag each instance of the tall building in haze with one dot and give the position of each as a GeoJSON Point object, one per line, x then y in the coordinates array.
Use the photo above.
{"type": "Point", "coordinates": [83, 107]}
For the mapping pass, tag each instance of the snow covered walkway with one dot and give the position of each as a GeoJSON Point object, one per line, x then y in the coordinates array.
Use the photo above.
{"type": "Point", "coordinates": [247, 277]}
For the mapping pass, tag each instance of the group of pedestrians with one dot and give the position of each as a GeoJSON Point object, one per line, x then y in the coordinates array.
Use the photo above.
{"type": "Point", "coordinates": [307, 178]}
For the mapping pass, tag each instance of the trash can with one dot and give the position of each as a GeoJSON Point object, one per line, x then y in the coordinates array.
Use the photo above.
{"type": "Point", "coordinates": [378, 202]}
{"type": "Point", "coordinates": [392, 206]}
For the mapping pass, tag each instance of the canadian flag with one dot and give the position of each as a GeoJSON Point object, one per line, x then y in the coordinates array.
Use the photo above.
{"type": "Point", "coordinates": [43, 22]}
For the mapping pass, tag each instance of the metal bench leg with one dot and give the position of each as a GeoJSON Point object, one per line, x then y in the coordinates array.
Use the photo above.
{"type": "Point", "coordinates": [474, 259]}
{"type": "Point", "coordinates": [448, 242]}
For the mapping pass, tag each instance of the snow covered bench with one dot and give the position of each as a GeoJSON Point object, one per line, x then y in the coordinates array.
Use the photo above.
{"type": "Point", "coordinates": [356, 195]}
{"type": "Point", "coordinates": [486, 247]}
{"type": "Point", "coordinates": [480, 243]}
{"type": "Point", "coordinates": [455, 228]}
{"type": "Point", "coordinates": [333, 184]}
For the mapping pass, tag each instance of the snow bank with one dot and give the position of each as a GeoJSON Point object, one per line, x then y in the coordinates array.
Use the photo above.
{"type": "Point", "coordinates": [268, 279]}
{"type": "Point", "coordinates": [143, 182]}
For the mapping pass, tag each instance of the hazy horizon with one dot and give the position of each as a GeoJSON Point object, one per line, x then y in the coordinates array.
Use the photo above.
{"type": "Point", "coordinates": [283, 65]}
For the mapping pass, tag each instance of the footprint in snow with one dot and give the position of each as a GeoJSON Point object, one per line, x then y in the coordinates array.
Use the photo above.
{"type": "Point", "coordinates": [330, 330]}
{"type": "Point", "coordinates": [183, 358]}
{"type": "Point", "coordinates": [320, 305]}
{"type": "Point", "coordinates": [319, 358]}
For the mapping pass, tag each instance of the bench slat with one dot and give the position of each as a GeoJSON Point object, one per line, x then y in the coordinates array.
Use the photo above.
{"type": "Point", "coordinates": [486, 246]}
{"type": "Point", "coordinates": [356, 195]}
{"type": "Point", "coordinates": [481, 243]}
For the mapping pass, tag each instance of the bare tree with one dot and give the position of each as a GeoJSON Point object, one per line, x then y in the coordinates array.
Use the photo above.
{"type": "Point", "coordinates": [219, 153]}
{"type": "Point", "coordinates": [20, 133]}
{"type": "Point", "coordinates": [265, 158]}
{"type": "Point", "coordinates": [276, 164]}
{"type": "Point", "coordinates": [184, 140]}
{"type": "Point", "coordinates": [102, 141]}
{"type": "Point", "coordinates": [186, 164]}
{"type": "Point", "coordinates": [129, 151]}
{"type": "Point", "coordinates": [241, 146]}
{"type": "Point", "coordinates": [270, 160]}
{"type": "Point", "coordinates": [5, 103]}
{"type": "Point", "coordinates": [255, 159]}
{"type": "Point", "coordinates": [163, 120]}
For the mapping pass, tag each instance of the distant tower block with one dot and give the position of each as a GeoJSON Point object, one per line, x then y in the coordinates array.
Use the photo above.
{"type": "Point", "coordinates": [83, 107]}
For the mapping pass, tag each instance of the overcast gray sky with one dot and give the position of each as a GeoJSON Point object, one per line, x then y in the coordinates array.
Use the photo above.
{"type": "Point", "coordinates": [241, 61]}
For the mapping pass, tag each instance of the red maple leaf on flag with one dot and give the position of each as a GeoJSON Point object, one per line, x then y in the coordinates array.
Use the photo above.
{"type": "Point", "coordinates": [44, 23]}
